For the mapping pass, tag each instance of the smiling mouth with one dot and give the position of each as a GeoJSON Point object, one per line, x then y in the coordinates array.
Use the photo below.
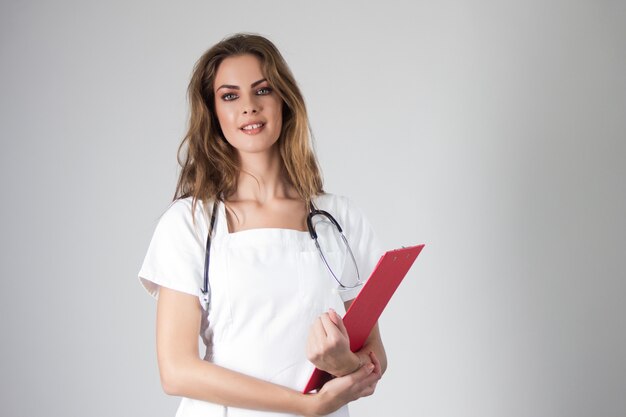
{"type": "Point", "coordinates": [253, 128]}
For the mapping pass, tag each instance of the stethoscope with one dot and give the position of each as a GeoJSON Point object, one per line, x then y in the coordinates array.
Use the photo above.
{"type": "Point", "coordinates": [313, 211]}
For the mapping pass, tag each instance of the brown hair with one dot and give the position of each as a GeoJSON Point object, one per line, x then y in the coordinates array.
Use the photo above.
{"type": "Point", "coordinates": [210, 168]}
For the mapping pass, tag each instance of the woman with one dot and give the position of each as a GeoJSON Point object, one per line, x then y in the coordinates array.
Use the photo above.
{"type": "Point", "coordinates": [249, 181]}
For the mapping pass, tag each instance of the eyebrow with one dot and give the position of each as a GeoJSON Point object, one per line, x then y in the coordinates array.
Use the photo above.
{"type": "Point", "coordinates": [236, 87]}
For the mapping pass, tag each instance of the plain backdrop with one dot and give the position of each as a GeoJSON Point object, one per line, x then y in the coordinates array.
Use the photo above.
{"type": "Point", "coordinates": [492, 131]}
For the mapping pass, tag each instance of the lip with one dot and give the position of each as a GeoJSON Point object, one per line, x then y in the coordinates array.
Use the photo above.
{"type": "Point", "coordinates": [259, 126]}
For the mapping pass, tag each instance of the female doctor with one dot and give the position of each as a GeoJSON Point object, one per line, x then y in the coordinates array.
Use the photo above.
{"type": "Point", "coordinates": [248, 202]}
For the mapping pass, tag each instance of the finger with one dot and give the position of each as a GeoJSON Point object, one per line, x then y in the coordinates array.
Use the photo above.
{"type": "Point", "coordinates": [364, 358]}
{"type": "Point", "coordinates": [320, 331]}
{"type": "Point", "coordinates": [358, 382]}
{"type": "Point", "coordinates": [362, 373]}
{"type": "Point", "coordinates": [368, 380]}
{"type": "Point", "coordinates": [375, 374]}
{"type": "Point", "coordinates": [374, 384]}
{"type": "Point", "coordinates": [330, 327]}
{"type": "Point", "coordinates": [376, 362]}
{"type": "Point", "coordinates": [372, 378]}
{"type": "Point", "coordinates": [368, 390]}
{"type": "Point", "coordinates": [316, 340]}
{"type": "Point", "coordinates": [333, 316]}
{"type": "Point", "coordinates": [336, 318]}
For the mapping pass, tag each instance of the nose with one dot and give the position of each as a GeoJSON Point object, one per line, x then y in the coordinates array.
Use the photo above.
{"type": "Point", "coordinates": [250, 106]}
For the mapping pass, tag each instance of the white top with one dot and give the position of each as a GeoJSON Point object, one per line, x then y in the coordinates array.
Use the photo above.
{"type": "Point", "coordinates": [267, 285]}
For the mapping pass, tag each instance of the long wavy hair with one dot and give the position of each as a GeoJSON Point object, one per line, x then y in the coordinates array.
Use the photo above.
{"type": "Point", "coordinates": [210, 165]}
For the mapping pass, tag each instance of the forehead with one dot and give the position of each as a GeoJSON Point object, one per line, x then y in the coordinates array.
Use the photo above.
{"type": "Point", "coordinates": [240, 70]}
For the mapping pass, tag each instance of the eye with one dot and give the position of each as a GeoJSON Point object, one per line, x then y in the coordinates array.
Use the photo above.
{"type": "Point", "coordinates": [229, 96]}
{"type": "Point", "coordinates": [263, 91]}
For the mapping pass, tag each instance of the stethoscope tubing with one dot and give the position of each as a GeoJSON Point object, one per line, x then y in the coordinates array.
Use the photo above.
{"type": "Point", "coordinates": [313, 211]}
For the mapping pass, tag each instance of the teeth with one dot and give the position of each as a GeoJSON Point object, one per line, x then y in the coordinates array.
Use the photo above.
{"type": "Point", "coordinates": [254, 126]}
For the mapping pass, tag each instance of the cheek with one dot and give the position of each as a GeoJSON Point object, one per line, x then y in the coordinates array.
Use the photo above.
{"type": "Point", "coordinates": [278, 114]}
{"type": "Point", "coordinates": [225, 118]}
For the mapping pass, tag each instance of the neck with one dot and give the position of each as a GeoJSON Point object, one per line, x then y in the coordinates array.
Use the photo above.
{"type": "Point", "coordinates": [261, 178]}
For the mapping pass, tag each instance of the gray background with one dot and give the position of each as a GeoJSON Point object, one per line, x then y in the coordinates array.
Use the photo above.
{"type": "Point", "coordinates": [492, 131]}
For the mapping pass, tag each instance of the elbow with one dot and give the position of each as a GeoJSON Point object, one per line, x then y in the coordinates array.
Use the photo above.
{"type": "Point", "coordinates": [178, 373]}
{"type": "Point", "coordinates": [168, 385]}
{"type": "Point", "coordinates": [169, 388]}
{"type": "Point", "coordinates": [170, 380]}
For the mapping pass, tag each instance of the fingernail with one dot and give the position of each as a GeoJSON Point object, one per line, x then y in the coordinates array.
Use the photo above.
{"type": "Point", "coordinates": [370, 367]}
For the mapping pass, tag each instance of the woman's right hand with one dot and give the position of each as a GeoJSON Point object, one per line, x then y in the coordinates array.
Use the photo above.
{"type": "Point", "coordinates": [340, 391]}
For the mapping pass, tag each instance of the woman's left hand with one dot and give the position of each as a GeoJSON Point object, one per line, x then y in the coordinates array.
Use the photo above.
{"type": "Point", "coordinates": [328, 346]}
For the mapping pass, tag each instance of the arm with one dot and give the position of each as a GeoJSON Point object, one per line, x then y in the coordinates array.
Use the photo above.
{"type": "Point", "coordinates": [183, 373]}
{"type": "Point", "coordinates": [328, 346]}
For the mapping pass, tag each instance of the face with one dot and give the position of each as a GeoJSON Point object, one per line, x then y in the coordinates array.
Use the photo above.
{"type": "Point", "coordinates": [248, 109]}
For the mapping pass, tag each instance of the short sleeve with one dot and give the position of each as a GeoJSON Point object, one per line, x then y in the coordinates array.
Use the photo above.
{"type": "Point", "coordinates": [365, 245]}
{"type": "Point", "coordinates": [175, 257]}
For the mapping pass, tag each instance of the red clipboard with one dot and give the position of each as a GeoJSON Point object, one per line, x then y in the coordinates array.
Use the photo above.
{"type": "Point", "coordinates": [371, 301]}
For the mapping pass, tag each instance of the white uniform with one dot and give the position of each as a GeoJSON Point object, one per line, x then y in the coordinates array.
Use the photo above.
{"type": "Point", "coordinates": [267, 286]}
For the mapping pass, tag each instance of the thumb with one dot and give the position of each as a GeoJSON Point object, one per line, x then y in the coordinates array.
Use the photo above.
{"type": "Point", "coordinates": [364, 372]}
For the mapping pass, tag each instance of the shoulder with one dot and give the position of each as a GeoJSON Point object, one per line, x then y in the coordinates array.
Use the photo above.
{"type": "Point", "coordinates": [341, 207]}
{"type": "Point", "coordinates": [327, 201]}
{"type": "Point", "coordinates": [182, 210]}
{"type": "Point", "coordinates": [181, 218]}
